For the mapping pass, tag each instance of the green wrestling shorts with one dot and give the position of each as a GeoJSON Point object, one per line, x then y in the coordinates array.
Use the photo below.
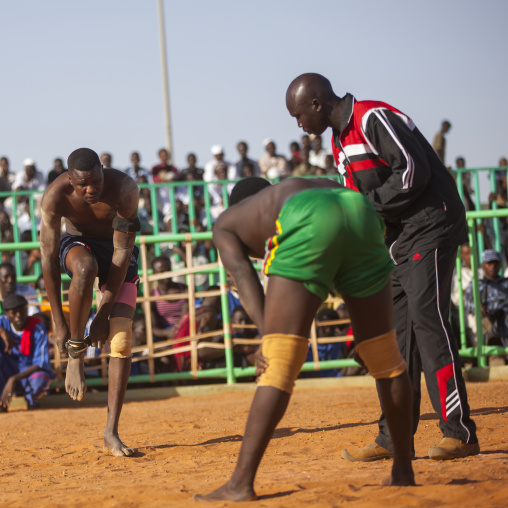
{"type": "Point", "coordinates": [330, 238]}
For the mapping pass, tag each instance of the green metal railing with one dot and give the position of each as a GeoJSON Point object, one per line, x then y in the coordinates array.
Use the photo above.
{"type": "Point", "coordinates": [230, 373]}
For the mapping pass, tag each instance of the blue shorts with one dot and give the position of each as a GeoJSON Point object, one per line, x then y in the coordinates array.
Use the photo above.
{"type": "Point", "coordinates": [102, 250]}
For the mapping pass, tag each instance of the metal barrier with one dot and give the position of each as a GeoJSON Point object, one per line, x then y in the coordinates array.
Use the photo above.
{"type": "Point", "coordinates": [196, 341]}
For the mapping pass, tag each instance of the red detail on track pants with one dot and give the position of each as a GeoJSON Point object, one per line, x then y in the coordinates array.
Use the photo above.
{"type": "Point", "coordinates": [443, 375]}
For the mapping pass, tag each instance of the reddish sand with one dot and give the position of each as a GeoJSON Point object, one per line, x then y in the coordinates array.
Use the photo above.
{"type": "Point", "coordinates": [53, 457]}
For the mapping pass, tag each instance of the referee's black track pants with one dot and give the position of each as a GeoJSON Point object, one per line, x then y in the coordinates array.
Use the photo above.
{"type": "Point", "coordinates": [421, 299]}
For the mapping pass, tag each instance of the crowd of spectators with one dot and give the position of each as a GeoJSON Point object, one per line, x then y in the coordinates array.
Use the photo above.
{"type": "Point", "coordinates": [170, 317]}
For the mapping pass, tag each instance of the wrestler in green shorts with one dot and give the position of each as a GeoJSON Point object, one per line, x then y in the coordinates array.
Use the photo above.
{"type": "Point", "coordinates": [330, 237]}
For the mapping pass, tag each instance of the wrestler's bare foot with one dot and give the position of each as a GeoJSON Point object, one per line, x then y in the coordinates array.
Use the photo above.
{"type": "Point", "coordinates": [228, 493]}
{"type": "Point", "coordinates": [402, 474]}
{"type": "Point", "coordinates": [75, 384]}
{"type": "Point", "coordinates": [113, 444]}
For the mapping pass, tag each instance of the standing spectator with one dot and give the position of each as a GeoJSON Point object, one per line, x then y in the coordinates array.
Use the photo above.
{"type": "Point", "coordinates": [272, 165]}
{"type": "Point", "coordinates": [439, 143]}
{"type": "Point", "coordinates": [136, 171]}
{"type": "Point", "coordinates": [58, 169]}
{"type": "Point", "coordinates": [9, 286]}
{"type": "Point", "coordinates": [317, 154]}
{"type": "Point", "coordinates": [29, 178]}
{"type": "Point", "coordinates": [192, 172]}
{"type": "Point", "coordinates": [106, 160]}
{"type": "Point", "coordinates": [164, 171]}
{"type": "Point", "coordinates": [24, 354]}
{"type": "Point", "coordinates": [386, 158]}
{"type": "Point", "coordinates": [468, 190]}
{"type": "Point", "coordinates": [6, 177]}
{"type": "Point", "coordinates": [305, 168]}
{"type": "Point", "coordinates": [305, 141]}
{"type": "Point", "coordinates": [503, 167]}
{"type": "Point", "coordinates": [236, 171]}
{"type": "Point", "coordinates": [295, 158]}
{"type": "Point", "coordinates": [218, 157]}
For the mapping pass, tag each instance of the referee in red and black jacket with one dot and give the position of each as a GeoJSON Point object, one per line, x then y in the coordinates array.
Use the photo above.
{"type": "Point", "coordinates": [384, 156]}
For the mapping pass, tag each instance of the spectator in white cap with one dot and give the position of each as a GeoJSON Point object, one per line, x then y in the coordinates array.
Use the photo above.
{"type": "Point", "coordinates": [29, 178]}
{"type": "Point", "coordinates": [493, 290]}
{"type": "Point", "coordinates": [218, 157]}
{"type": "Point", "coordinates": [272, 165]}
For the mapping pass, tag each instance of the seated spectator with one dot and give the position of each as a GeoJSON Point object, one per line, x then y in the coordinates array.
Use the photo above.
{"type": "Point", "coordinates": [317, 154]}
{"type": "Point", "coordinates": [243, 354]}
{"type": "Point", "coordinates": [6, 235]}
{"type": "Point", "coordinates": [295, 159]}
{"type": "Point", "coordinates": [272, 165]}
{"type": "Point", "coordinates": [139, 339]}
{"type": "Point", "coordinates": [136, 171]}
{"type": "Point", "coordinates": [305, 168]}
{"type": "Point", "coordinates": [166, 313]}
{"type": "Point", "coordinates": [207, 320]}
{"type": "Point", "coordinates": [218, 157]}
{"type": "Point", "coordinates": [216, 191]}
{"type": "Point", "coordinates": [467, 277]}
{"type": "Point", "coordinates": [493, 291]}
{"type": "Point", "coordinates": [24, 354]}
{"type": "Point", "coordinates": [248, 169]}
{"type": "Point", "coordinates": [58, 169]}
{"type": "Point", "coordinates": [333, 351]}
{"type": "Point", "coordinates": [9, 285]}
{"type": "Point", "coordinates": [489, 234]}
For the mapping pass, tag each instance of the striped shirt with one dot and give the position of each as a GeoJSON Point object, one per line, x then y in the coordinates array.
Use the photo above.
{"type": "Point", "coordinates": [170, 310]}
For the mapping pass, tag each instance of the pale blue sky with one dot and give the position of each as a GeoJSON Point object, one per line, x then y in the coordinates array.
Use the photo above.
{"type": "Point", "coordinates": [87, 73]}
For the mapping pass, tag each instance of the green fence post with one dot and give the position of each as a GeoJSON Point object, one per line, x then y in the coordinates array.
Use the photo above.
{"type": "Point", "coordinates": [476, 292]}
{"type": "Point", "coordinates": [230, 361]}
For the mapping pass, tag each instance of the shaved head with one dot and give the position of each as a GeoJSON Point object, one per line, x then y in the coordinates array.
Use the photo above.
{"type": "Point", "coordinates": [308, 86]}
{"type": "Point", "coordinates": [311, 100]}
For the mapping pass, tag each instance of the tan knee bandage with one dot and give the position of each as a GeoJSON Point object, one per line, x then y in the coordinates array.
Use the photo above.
{"type": "Point", "coordinates": [120, 337]}
{"type": "Point", "coordinates": [285, 355]}
{"type": "Point", "coordinates": [381, 356]}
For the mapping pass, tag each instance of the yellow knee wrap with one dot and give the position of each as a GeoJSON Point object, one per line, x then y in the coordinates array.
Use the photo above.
{"type": "Point", "coordinates": [285, 355]}
{"type": "Point", "coordinates": [120, 337]}
{"type": "Point", "coordinates": [381, 356]}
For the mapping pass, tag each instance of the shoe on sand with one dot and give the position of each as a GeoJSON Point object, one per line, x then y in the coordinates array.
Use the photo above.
{"type": "Point", "coordinates": [367, 454]}
{"type": "Point", "coordinates": [450, 448]}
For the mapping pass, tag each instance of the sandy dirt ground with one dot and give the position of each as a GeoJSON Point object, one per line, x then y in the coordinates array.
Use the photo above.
{"type": "Point", "coordinates": [53, 457]}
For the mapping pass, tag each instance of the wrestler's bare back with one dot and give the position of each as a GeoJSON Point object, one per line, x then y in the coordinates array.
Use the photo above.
{"type": "Point", "coordinates": [253, 219]}
{"type": "Point", "coordinates": [83, 218]}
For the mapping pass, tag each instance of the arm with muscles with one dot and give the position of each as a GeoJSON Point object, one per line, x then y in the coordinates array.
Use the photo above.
{"type": "Point", "coordinates": [394, 141]}
{"type": "Point", "coordinates": [50, 245]}
{"type": "Point", "coordinates": [125, 226]}
{"type": "Point", "coordinates": [236, 260]}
